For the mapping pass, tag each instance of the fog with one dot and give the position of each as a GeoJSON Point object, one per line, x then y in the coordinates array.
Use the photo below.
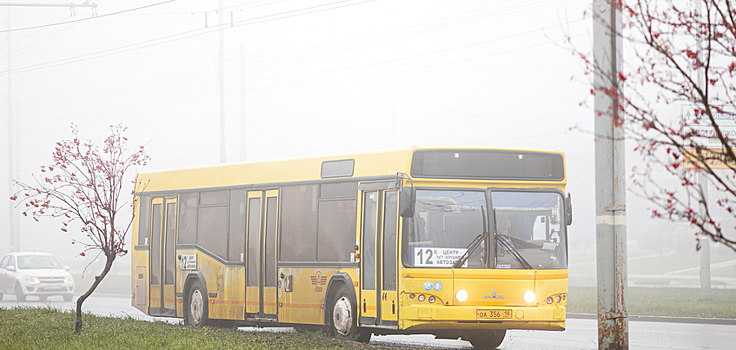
{"type": "Point", "coordinates": [301, 78]}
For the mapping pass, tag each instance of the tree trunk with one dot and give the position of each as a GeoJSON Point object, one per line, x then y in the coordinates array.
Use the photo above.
{"type": "Point", "coordinates": [110, 258]}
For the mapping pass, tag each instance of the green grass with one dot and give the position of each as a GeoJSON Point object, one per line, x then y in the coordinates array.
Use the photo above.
{"type": "Point", "coordinates": [661, 302]}
{"type": "Point", "coordinates": [46, 328]}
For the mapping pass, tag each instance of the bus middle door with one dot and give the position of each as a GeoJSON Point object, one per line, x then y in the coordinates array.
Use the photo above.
{"type": "Point", "coordinates": [260, 288]}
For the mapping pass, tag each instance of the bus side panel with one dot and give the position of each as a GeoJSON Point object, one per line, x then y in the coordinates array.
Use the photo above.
{"type": "Point", "coordinates": [212, 271]}
{"type": "Point", "coordinates": [139, 266]}
{"type": "Point", "coordinates": [233, 283]}
{"type": "Point", "coordinates": [181, 276]}
{"type": "Point", "coordinates": [224, 286]}
{"type": "Point", "coordinates": [306, 303]}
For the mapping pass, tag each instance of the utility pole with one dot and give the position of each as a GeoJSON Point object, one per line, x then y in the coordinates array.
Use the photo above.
{"type": "Point", "coordinates": [703, 182]}
{"type": "Point", "coordinates": [221, 16]}
{"type": "Point", "coordinates": [14, 235]}
{"type": "Point", "coordinates": [243, 126]}
{"type": "Point", "coordinates": [610, 180]}
{"type": "Point", "coordinates": [12, 232]}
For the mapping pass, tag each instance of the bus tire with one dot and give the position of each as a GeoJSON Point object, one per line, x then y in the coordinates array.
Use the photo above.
{"type": "Point", "coordinates": [490, 339]}
{"type": "Point", "coordinates": [196, 308]}
{"type": "Point", "coordinates": [364, 335]}
{"type": "Point", "coordinates": [343, 320]}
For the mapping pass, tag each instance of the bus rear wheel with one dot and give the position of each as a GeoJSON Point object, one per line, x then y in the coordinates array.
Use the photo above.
{"type": "Point", "coordinates": [490, 339]}
{"type": "Point", "coordinates": [343, 322]}
{"type": "Point", "coordinates": [196, 310]}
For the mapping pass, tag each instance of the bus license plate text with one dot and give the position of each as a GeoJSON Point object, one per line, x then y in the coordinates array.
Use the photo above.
{"type": "Point", "coordinates": [493, 314]}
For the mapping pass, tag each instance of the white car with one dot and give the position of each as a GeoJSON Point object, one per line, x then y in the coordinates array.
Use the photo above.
{"type": "Point", "coordinates": [37, 274]}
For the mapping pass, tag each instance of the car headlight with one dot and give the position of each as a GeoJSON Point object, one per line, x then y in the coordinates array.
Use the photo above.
{"type": "Point", "coordinates": [68, 279]}
{"type": "Point", "coordinates": [33, 280]}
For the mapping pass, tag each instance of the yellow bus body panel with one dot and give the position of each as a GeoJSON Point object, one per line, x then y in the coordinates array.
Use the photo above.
{"type": "Point", "coordinates": [308, 299]}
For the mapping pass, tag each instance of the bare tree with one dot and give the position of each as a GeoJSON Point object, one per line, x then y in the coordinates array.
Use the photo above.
{"type": "Point", "coordinates": [84, 183]}
{"type": "Point", "coordinates": [683, 54]}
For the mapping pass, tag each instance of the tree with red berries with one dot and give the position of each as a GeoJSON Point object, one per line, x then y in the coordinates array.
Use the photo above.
{"type": "Point", "coordinates": [680, 54]}
{"type": "Point", "coordinates": [84, 184]}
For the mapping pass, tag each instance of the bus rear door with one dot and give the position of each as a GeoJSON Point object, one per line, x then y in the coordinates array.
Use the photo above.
{"type": "Point", "coordinates": [162, 300]}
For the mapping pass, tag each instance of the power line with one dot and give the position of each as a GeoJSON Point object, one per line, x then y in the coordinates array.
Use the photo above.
{"type": "Point", "coordinates": [181, 36]}
{"type": "Point", "coordinates": [413, 69]}
{"type": "Point", "coordinates": [84, 19]}
{"type": "Point", "coordinates": [457, 20]}
{"type": "Point", "coordinates": [424, 54]}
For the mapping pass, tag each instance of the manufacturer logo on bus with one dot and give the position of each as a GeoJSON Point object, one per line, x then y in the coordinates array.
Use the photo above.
{"type": "Point", "coordinates": [318, 281]}
{"type": "Point", "coordinates": [493, 296]}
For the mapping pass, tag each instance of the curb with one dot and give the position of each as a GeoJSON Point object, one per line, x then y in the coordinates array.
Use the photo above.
{"type": "Point", "coordinates": [667, 319]}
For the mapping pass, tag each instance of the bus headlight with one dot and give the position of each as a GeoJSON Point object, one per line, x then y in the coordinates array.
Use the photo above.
{"type": "Point", "coordinates": [529, 296]}
{"type": "Point", "coordinates": [461, 295]}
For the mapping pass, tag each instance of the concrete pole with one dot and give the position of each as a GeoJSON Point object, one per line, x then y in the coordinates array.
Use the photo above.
{"type": "Point", "coordinates": [703, 182]}
{"type": "Point", "coordinates": [13, 235]}
{"type": "Point", "coordinates": [223, 155]}
{"type": "Point", "coordinates": [243, 126]}
{"type": "Point", "coordinates": [610, 181]}
{"type": "Point", "coordinates": [705, 286]}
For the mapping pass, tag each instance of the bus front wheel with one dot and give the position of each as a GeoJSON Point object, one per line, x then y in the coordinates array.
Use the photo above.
{"type": "Point", "coordinates": [196, 314]}
{"type": "Point", "coordinates": [344, 312]}
{"type": "Point", "coordinates": [490, 339]}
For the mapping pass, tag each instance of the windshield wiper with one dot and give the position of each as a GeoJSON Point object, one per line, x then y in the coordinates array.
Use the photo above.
{"type": "Point", "coordinates": [470, 248]}
{"type": "Point", "coordinates": [474, 243]}
{"type": "Point", "coordinates": [502, 240]}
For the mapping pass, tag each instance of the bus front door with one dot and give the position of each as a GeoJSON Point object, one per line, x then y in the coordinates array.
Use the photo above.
{"type": "Point", "coordinates": [378, 296]}
{"type": "Point", "coordinates": [260, 289]}
{"type": "Point", "coordinates": [162, 300]}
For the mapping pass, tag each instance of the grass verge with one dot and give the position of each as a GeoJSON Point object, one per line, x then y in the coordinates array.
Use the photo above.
{"type": "Point", "coordinates": [676, 302]}
{"type": "Point", "coordinates": [47, 328]}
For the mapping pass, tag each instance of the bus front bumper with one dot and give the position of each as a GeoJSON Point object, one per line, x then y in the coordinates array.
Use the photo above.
{"type": "Point", "coordinates": [470, 317]}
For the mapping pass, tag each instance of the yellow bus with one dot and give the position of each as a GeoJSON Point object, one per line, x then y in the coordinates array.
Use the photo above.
{"type": "Point", "coordinates": [459, 243]}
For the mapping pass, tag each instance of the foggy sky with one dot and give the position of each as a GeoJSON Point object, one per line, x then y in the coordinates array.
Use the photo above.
{"type": "Point", "coordinates": [302, 78]}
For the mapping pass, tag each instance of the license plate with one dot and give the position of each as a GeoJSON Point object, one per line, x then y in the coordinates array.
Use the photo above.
{"type": "Point", "coordinates": [493, 314]}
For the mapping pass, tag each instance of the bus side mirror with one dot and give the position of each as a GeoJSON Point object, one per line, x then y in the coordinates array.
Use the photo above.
{"type": "Point", "coordinates": [406, 202]}
{"type": "Point", "coordinates": [568, 210]}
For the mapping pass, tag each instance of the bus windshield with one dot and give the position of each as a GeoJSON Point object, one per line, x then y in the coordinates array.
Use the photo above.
{"type": "Point", "coordinates": [529, 230]}
{"type": "Point", "coordinates": [528, 227]}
